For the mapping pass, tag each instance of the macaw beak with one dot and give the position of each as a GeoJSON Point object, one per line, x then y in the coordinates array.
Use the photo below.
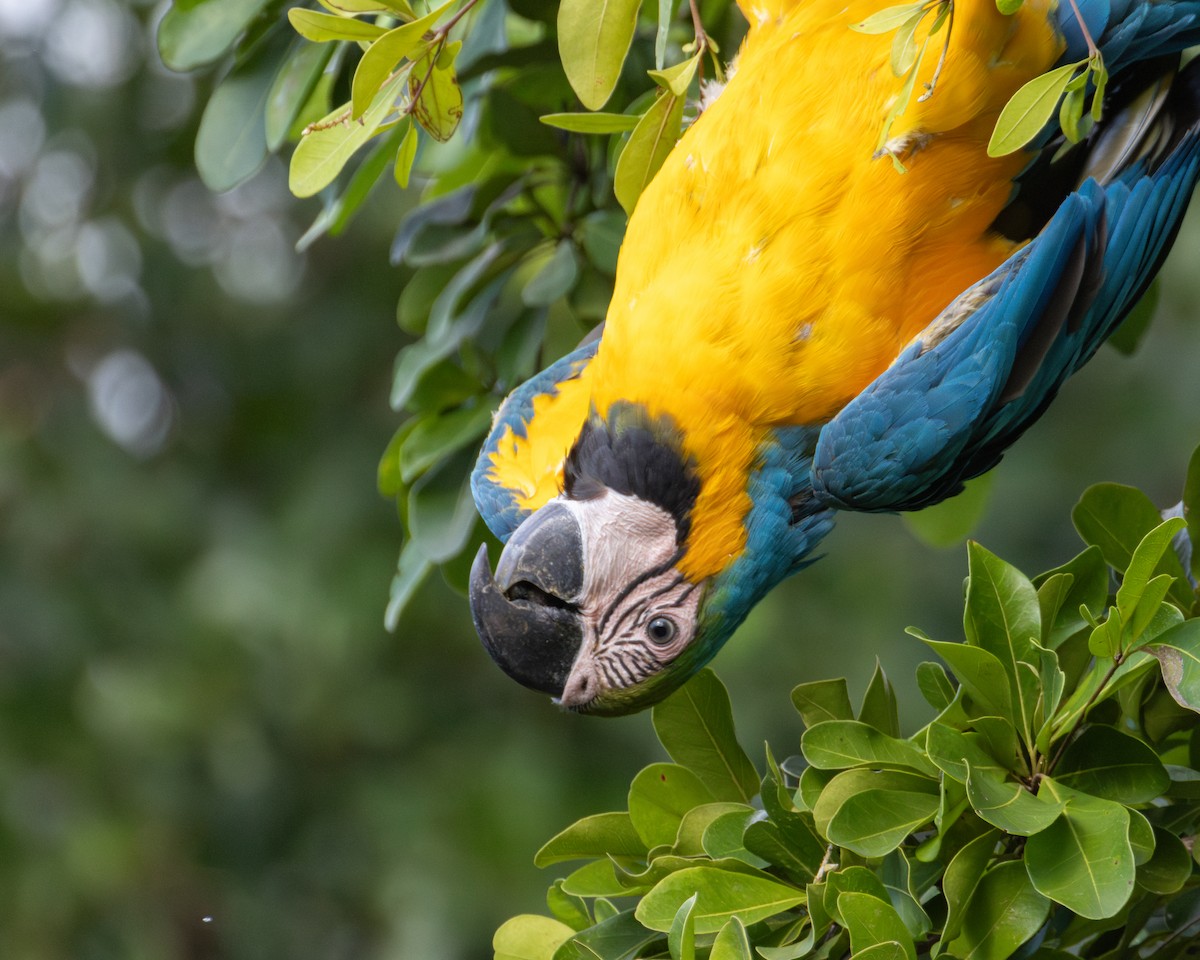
{"type": "Point", "coordinates": [527, 614]}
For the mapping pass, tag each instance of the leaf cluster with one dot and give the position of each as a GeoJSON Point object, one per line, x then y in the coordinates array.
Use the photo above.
{"type": "Point", "coordinates": [1049, 809]}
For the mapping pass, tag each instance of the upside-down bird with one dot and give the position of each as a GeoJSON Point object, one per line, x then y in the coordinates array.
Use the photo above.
{"type": "Point", "coordinates": [799, 327]}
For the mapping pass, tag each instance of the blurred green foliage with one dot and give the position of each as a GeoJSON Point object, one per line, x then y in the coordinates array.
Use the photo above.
{"type": "Point", "coordinates": [201, 715]}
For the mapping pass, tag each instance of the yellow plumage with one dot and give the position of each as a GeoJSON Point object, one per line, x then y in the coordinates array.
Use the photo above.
{"type": "Point", "coordinates": [776, 265]}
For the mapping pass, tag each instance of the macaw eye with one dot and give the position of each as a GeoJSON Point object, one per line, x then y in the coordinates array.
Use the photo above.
{"type": "Point", "coordinates": [660, 630]}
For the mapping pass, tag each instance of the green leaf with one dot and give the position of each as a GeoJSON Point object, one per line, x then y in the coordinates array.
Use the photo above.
{"type": "Point", "coordinates": [599, 878]}
{"type": "Point", "coordinates": [720, 895]}
{"type": "Point", "coordinates": [950, 522]}
{"type": "Point", "coordinates": [438, 99]}
{"type": "Point", "coordinates": [291, 88]}
{"type": "Point", "coordinates": [904, 45]}
{"type": "Point", "coordinates": [554, 279]}
{"type": "Point", "coordinates": [956, 753]}
{"type": "Point", "coordinates": [888, 950]}
{"type": "Point", "coordinates": [839, 744]}
{"type": "Point", "coordinates": [652, 139]}
{"type": "Point", "coordinates": [695, 726]}
{"type": "Point", "coordinates": [321, 154]}
{"type": "Point", "coordinates": [871, 922]}
{"type": "Point", "coordinates": [1089, 581]}
{"type": "Point", "coordinates": [324, 27]}
{"type": "Point", "coordinates": [193, 34]}
{"type": "Point", "coordinates": [963, 877]}
{"type": "Point", "coordinates": [569, 909]}
{"type": "Point", "coordinates": [603, 834]}
{"type": "Point", "coordinates": [935, 685]}
{"type": "Point", "coordinates": [406, 155]}
{"type": "Point", "coordinates": [529, 937]}
{"type": "Point", "coordinates": [382, 57]}
{"type": "Point", "coordinates": [441, 511]}
{"type": "Point", "coordinates": [879, 708]}
{"type": "Point", "coordinates": [872, 812]}
{"type": "Point", "coordinates": [723, 836]}
{"type": "Point", "coordinates": [1178, 655]}
{"type": "Point", "coordinates": [411, 570]}
{"type": "Point", "coordinates": [1147, 556]}
{"type": "Point", "coordinates": [1029, 110]}
{"type": "Point", "coordinates": [981, 674]}
{"type": "Point", "coordinates": [370, 6]}
{"type": "Point", "coordinates": [1009, 7]}
{"type": "Point", "coordinates": [600, 234]}
{"type": "Point", "coordinates": [821, 700]}
{"type": "Point", "coordinates": [1169, 868]}
{"type": "Point", "coordinates": [1083, 860]}
{"type": "Point", "coordinates": [681, 940]}
{"type": "Point", "coordinates": [693, 828]}
{"type": "Point", "coordinates": [1004, 912]}
{"type": "Point", "coordinates": [619, 937]}
{"type": "Point", "coordinates": [677, 78]}
{"type": "Point", "coordinates": [231, 144]}
{"type": "Point", "coordinates": [659, 797]}
{"type": "Point", "coordinates": [1002, 616]}
{"type": "Point", "coordinates": [593, 39]}
{"type": "Point", "coordinates": [591, 122]}
{"type": "Point", "coordinates": [1008, 805]}
{"type": "Point", "coordinates": [1191, 508]}
{"type": "Point", "coordinates": [1115, 518]}
{"type": "Point", "coordinates": [1106, 763]}
{"type": "Point", "coordinates": [888, 19]}
{"type": "Point", "coordinates": [439, 435]}
{"type": "Point", "coordinates": [731, 942]}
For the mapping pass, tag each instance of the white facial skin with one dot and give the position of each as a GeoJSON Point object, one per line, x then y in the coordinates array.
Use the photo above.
{"type": "Point", "coordinates": [638, 610]}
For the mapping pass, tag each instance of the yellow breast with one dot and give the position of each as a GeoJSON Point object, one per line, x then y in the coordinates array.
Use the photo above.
{"type": "Point", "coordinates": [776, 265]}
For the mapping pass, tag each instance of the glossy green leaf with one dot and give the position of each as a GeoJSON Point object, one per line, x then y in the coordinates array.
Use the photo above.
{"type": "Point", "coordinates": [1178, 655]}
{"type": "Point", "coordinates": [322, 153]}
{"type": "Point", "coordinates": [231, 144]}
{"type": "Point", "coordinates": [1147, 556]}
{"type": "Point", "coordinates": [400, 7]}
{"type": "Point", "coordinates": [603, 834]}
{"type": "Point", "coordinates": [593, 39]}
{"type": "Point", "coordinates": [681, 940]}
{"type": "Point", "coordinates": [1083, 860]}
{"type": "Point", "coordinates": [554, 279]}
{"type": "Point", "coordinates": [872, 922]}
{"type": "Point", "coordinates": [879, 708]}
{"type": "Point", "coordinates": [720, 895]}
{"type": "Point", "coordinates": [677, 78]}
{"type": "Point", "coordinates": [821, 700]}
{"type": "Point", "coordinates": [872, 812]}
{"type": "Point", "coordinates": [385, 54]}
{"type": "Point", "coordinates": [591, 122]}
{"type": "Point", "coordinates": [1002, 616]}
{"type": "Point", "coordinates": [567, 908]}
{"type": "Point", "coordinates": [615, 937]}
{"type": "Point", "coordinates": [291, 88]}
{"type": "Point", "coordinates": [981, 673]}
{"type": "Point", "coordinates": [963, 876]}
{"type": "Point", "coordinates": [935, 685]}
{"type": "Point", "coordinates": [904, 44]}
{"type": "Point", "coordinates": [693, 828]}
{"type": "Point", "coordinates": [1191, 509]}
{"type": "Point", "coordinates": [439, 435]}
{"type": "Point", "coordinates": [1115, 518]}
{"type": "Point", "coordinates": [1029, 110]}
{"type": "Point", "coordinates": [1009, 7]}
{"type": "Point", "coordinates": [1088, 587]}
{"type": "Point", "coordinates": [1170, 866]}
{"type": "Point", "coordinates": [956, 753]}
{"type": "Point", "coordinates": [887, 19]}
{"type": "Point", "coordinates": [695, 725]}
{"type": "Point", "coordinates": [652, 139]}
{"type": "Point", "coordinates": [1008, 805]}
{"type": "Point", "coordinates": [659, 797]}
{"type": "Point", "coordinates": [723, 837]}
{"type": "Point", "coordinates": [438, 98]}
{"type": "Point", "coordinates": [529, 937]}
{"type": "Point", "coordinates": [411, 570]}
{"type": "Point", "coordinates": [406, 155]}
{"type": "Point", "coordinates": [731, 942]}
{"type": "Point", "coordinates": [193, 34]}
{"type": "Point", "coordinates": [1004, 912]}
{"type": "Point", "coordinates": [324, 27]}
{"type": "Point", "coordinates": [1106, 763]}
{"type": "Point", "coordinates": [441, 511]}
{"type": "Point", "coordinates": [597, 879]}
{"type": "Point", "coordinates": [839, 744]}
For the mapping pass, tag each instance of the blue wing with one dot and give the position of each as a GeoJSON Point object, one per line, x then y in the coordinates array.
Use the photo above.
{"type": "Point", "coordinates": [987, 367]}
{"type": "Point", "coordinates": [496, 481]}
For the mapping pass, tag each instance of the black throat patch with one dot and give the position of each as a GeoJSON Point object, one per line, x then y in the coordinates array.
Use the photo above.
{"type": "Point", "coordinates": [637, 455]}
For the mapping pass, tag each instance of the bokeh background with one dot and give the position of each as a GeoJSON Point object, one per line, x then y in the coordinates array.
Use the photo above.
{"type": "Point", "coordinates": [209, 745]}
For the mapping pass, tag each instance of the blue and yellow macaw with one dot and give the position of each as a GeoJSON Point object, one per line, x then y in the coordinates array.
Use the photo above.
{"type": "Point", "coordinates": [798, 328]}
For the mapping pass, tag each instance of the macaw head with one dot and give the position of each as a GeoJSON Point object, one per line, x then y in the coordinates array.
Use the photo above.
{"type": "Point", "coordinates": [588, 602]}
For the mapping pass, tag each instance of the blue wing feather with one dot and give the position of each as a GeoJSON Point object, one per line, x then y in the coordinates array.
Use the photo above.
{"type": "Point", "coordinates": [947, 408]}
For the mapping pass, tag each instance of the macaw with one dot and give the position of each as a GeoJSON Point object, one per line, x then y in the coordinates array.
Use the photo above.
{"type": "Point", "coordinates": [799, 327]}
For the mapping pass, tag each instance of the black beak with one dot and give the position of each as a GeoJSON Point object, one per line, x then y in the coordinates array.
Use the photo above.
{"type": "Point", "coordinates": [526, 614]}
